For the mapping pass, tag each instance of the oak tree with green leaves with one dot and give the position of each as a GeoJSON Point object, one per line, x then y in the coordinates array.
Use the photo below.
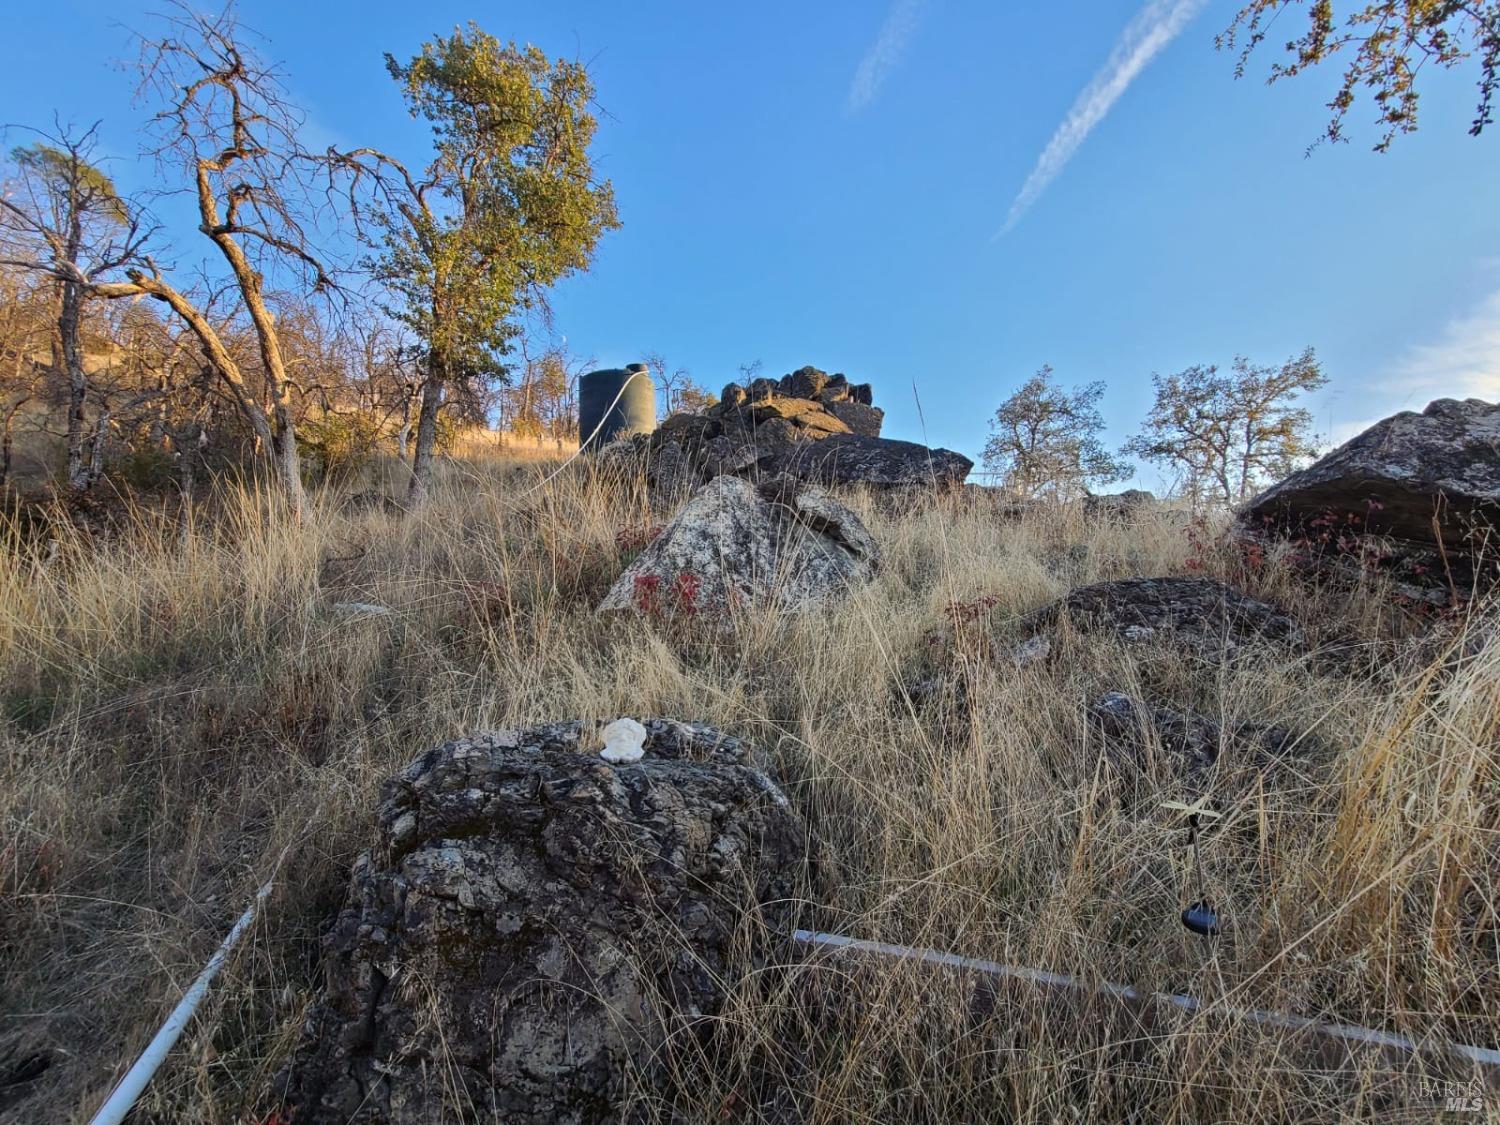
{"type": "Point", "coordinates": [1227, 435]}
{"type": "Point", "coordinates": [1044, 440]}
{"type": "Point", "coordinates": [1384, 46]}
{"type": "Point", "coordinates": [508, 205]}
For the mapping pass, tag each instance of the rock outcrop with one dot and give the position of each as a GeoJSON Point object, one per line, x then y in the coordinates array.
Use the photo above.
{"type": "Point", "coordinates": [1429, 481]}
{"type": "Point", "coordinates": [1108, 506]}
{"type": "Point", "coordinates": [1134, 729]}
{"type": "Point", "coordinates": [1119, 505]}
{"type": "Point", "coordinates": [1198, 614]}
{"type": "Point", "coordinates": [733, 546]}
{"type": "Point", "coordinates": [845, 459]}
{"type": "Point", "coordinates": [809, 425]}
{"type": "Point", "coordinates": [537, 925]}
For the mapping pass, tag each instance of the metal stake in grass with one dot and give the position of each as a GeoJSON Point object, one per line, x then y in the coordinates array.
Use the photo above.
{"type": "Point", "coordinates": [1200, 916]}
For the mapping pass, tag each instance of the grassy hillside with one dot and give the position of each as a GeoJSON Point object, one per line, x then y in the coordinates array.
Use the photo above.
{"type": "Point", "coordinates": [183, 703]}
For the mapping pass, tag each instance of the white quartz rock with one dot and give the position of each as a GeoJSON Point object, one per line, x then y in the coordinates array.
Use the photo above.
{"type": "Point", "coordinates": [624, 741]}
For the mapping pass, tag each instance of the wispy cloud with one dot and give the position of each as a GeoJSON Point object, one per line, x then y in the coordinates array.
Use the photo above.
{"type": "Point", "coordinates": [1153, 27]}
{"type": "Point", "coordinates": [1463, 361]}
{"type": "Point", "coordinates": [895, 33]}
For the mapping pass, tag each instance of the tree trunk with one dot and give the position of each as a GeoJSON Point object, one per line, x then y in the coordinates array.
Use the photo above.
{"type": "Point", "coordinates": [421, 465]}
{"type": "Point", "coordinates": [7, 439]}
{"type": "Point", "coordinates": [95, 469]}
{"type": "Point", "coordinates": [159, 421]}
{"type": "Point", "coordinates": [274, 431]}
{"type": "Point", "coordinates": [288, 464]}
{"type": "Point", "coordinates": [283, 436]}
{"type": "Point", "coordinates": [68, 318]}
{"type": "Point", "coordinates": [403, 435]}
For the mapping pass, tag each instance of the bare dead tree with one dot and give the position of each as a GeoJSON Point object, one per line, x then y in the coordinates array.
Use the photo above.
{"type": "Point", "coordinates": [386, 371]}
{"type": "Point", "coordinates": [227, 123]}
{"type": "Point", "coordinates": [156, 394]}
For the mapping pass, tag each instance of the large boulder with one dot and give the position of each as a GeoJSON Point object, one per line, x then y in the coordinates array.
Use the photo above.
{"type": "Point", "coordinates": [846, 459]}
{"type": "Point", "coordinates": [733, 546]}
{"type": "Point", "coordinates": [1119, 505]}
{"type": "Point", "coordinates": [1193, 744]}
{"type": "Point", "coordinates": [861, 419]}
{"type": "Point", "coordinates": [537, 926]}
{"type": "Point", "coordinates": [805, 382]}
{"type": "Point", "coordinates": [1430, 481]}
{"type": "Point", "coordinates": [810, 425]}
{"type": "Point", "coordinates": [1197, 614]}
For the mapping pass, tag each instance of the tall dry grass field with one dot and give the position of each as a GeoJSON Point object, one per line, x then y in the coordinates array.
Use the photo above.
{"type": "Point", "coordinates": [183, 700]}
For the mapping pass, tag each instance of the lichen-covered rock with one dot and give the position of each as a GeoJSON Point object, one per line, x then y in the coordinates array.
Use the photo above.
{"type": "Point", "coordinates": [1430, 481]}
{"type": "Point", "coordinates": [860, 418]}
{"type": "Point", "coordinates": [823, 422]}
{"type": "Point", "coordinates": [835, 389]}
{"type": "Point", "coordinates": [788, 408]}
{"type": "Point", "coordinates": [537, 926]}
{"type": "Point", "coordinates": [1199, 614]}
{"type": "Point", "coordinates": [1118, 504]}
{"type": "Point", "coordinates": [1402, 476]}
{"type": "Point", "coordinates": [1194, 744]}
{"type": "Point", "coordinates": [732, 546]}
{"type": "Point", "coordinates": [847, 459]}
{"type": "Point", "coordinates": [805, 382]}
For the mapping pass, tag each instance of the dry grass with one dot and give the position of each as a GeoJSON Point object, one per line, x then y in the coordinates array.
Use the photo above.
{"type": "Point", "coordinates": [177, 703]}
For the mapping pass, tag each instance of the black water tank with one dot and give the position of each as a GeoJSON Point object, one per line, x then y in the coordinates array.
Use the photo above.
{"type": "Point", "coordinates": [633, 397]}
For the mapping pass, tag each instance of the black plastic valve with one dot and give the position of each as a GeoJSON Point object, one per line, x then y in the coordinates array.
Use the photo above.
{"type": "Point", "coordinates": [1201, 918]}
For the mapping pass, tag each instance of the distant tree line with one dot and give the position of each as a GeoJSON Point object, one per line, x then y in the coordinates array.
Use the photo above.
{"type": "Point", "coordinates": [1220, 436]}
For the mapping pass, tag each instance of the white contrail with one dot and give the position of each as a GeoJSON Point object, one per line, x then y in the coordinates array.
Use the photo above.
{"type": "Point", "coordinates": [900, 23]}
{"type": "Point", "coordinates": [1153, 27]}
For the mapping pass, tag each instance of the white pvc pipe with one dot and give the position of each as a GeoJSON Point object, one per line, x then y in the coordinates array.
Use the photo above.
{"type": "Point", "coordinates": [583, 442]}
{"type": "Point", "coordinates": [1367, 1036]}
{"type": "Point", "coordinates": [113, 1111]}
{"type": "Point", "coordinates": [124, 1096]}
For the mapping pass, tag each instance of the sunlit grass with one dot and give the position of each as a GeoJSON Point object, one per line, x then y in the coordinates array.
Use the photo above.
{"type": "Point", "coordinates": [177, 701]}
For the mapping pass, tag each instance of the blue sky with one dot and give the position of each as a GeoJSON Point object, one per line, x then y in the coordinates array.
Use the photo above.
{"type": "Point", "coordinates": [828, 184]}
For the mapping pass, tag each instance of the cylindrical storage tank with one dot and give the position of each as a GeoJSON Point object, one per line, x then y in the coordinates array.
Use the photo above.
{"type": "Point", "coordinates": [617, 402]}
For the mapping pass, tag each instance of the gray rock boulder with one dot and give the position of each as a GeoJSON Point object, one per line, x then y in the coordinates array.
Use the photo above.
{"type": "Point", "coordinates": [805, 382]}
{"type": "Point", "coordinates": [860, 418]}
{"type": "Point", "coordinates": [789, 546]}
{"type": "Point", "coordinates": [1198, 614]}
{"type": "Point", "coordinates": [1118, 504]}
{"type": "Point", "coordinates": [1134, 730]}
{"type": "Point", "coordinates": [1430, 481]}
{"type": "Point", "coordinates": [846, 459]}
{"type": "Point", "coordinates": [835, 389]}
{"type": "Point", "coordinates": [537, 926]}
